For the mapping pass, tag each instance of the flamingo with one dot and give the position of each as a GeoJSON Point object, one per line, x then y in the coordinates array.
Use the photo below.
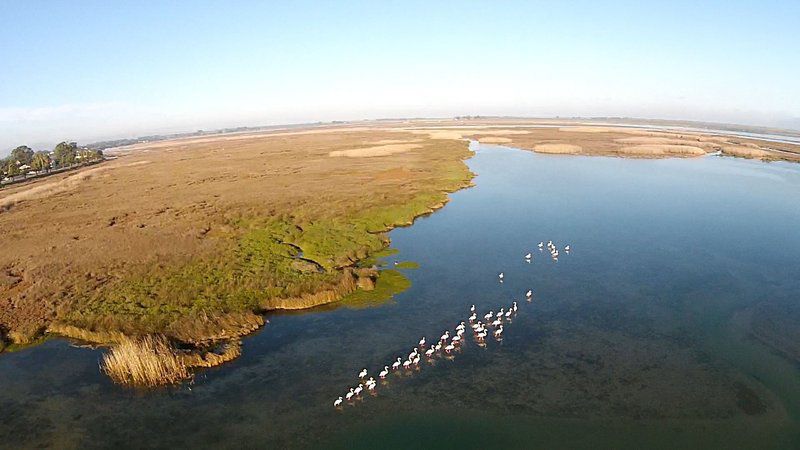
{"type": "Point", "coordinates": [422, 342]}
{"type": "Point", "coordinates": [508, 314]}
{"type": "Point", "coordinates": [406, 364]}
{"type": "Point", "coordinates": [566, 248]}
{"type": "Point", "coordinates": [396, 364]}
{"type": "Point", "coordinates": [384, 372]}
{"type": "Point", "coordinates": [488, 316]}
{"type": "Point", "coordinates": [337, 403]}
{"type": "Point", "coordinates": [472, 309]}
{"type": "Point", "coordinates": [430, 352]}
{"type": "Point", "coordinates": [362, 374]}
{"type": "Point", "coordinates": [528, 256]}
{"type": "Point", "coordinates": [358, 389]}
{"type": "Point", "coordinates": [541, 244]}
{"type": "Point", "coordinates": [498, 332]}
{"type": "Point", "coordinates": [501, 276]}
{"type": "Point", "coordinates": [449, 348]}
{"type": "Point", "coordinates": [456, 340]}
{"type": "Point", "coordinates": [497, 323]}
{"type": "Point", "coordinates": [349, 395]}
{"type": "Point", "coordinates": [472, 317]}
{"type": "Point", "coordinates": [445, 336]}
{"type": "Point", "coordinates": [416, 361]}
{"type": "Point", "coordinates": [514, 306]}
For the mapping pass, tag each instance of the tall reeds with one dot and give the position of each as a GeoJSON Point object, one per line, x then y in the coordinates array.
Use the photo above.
{"type": "Point", "coordinates": [148, 361]}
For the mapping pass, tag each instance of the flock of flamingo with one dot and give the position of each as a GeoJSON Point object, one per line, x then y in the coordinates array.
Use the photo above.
{"type": "Point", "coordinates": [448, 343]}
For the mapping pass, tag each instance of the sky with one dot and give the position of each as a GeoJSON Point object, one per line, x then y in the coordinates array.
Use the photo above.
{"type": "Point", "coordinates": [87, 71]}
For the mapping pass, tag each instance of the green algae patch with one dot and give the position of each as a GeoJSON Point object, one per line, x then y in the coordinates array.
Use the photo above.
{"type": "Point", "coordinates": [408, 265]}
{"type": "Point", "coordinates": [389, 283]}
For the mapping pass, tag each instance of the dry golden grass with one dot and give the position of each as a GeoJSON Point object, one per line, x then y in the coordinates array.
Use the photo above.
{"type": "Point", "coordinates": [148, 361]}
{"type": "Point", "coordinates": [557, 148]}
{"type": "Point", "coordinates": [378, 150]}
{"type": "Point", "coordinates": [494, 140]}
{"type": "Point", "coordinates": [187, 238]}
{"type": "Point", "coordinates": [662, 150]}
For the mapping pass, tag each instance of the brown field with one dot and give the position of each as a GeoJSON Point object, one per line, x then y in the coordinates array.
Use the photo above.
{"type": "Point", "coordinates": [192, 239]}
{"type": "Point", "coordinates": [176, 238]}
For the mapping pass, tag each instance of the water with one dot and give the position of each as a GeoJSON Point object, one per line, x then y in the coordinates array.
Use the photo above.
{"type": "Point", "coordinates": [642, 337]}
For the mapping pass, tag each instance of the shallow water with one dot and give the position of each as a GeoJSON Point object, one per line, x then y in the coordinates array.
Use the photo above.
{"type": "Point", "coordinates": [669, 325]}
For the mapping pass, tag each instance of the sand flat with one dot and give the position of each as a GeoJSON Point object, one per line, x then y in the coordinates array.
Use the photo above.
{"type": "Point", "coordinates": [378, 150]}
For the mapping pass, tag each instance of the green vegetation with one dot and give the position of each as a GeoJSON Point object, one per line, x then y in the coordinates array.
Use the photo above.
{"type": "Point", "coordinates": [407, 265]}
{"type": "Point", "coordinates": [261, 268]}
{"type": "Point", "coordinates": [390, 282]}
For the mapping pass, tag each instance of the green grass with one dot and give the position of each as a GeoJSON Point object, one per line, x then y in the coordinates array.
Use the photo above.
{"type": "Point", "coordinates": [407, 265]}
{"type": "Point", "coordinates": [389, 283]}
{"type": "Point", "coordinates": [260, 262]}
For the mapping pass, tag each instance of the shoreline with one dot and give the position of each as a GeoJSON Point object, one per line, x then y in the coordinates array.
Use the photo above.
{"type": "Point", "coordinates": [245, 323]}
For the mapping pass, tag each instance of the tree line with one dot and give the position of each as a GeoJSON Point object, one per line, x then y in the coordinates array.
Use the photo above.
{"type": "Point", "coordinates": [66, 154]}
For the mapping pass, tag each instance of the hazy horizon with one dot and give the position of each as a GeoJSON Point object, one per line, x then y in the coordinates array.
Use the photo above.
{"type": "Point", "coordinates": [91, 71]}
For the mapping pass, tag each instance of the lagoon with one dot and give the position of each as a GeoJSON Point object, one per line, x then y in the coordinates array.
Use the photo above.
{"type": "Point", "coordinates": [670, 324]}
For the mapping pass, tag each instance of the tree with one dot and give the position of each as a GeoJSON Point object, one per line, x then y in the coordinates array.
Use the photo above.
{"type": "Point", "coordinates": [65, 153]}
{"type": "Point", "coordinates": [22, 154]}
{"type": "Point", "coordinates": [12, 168]}
{"type": "Point", "coordinates": [41, 161]}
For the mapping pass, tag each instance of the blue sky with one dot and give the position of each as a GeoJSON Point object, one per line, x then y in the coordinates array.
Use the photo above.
{"type": "Point", "coordinates": [91, 70]}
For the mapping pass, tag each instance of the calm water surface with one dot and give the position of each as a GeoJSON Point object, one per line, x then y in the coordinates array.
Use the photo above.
{"type": "Point", "coordinates": [673, 323]}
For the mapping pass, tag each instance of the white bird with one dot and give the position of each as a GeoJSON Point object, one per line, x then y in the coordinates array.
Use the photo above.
{"type": "Point", "coordinates": [430, 352]}
{"type": "Point", "coordinates": [362, 374]}
{"type": "Point", "coordinates": [449, 348]}
{"type": "Point", "coordinates": [416, 361]}
{"type": "Point", "coordinates": [384, 372]}
{"type": "Point", "coordinates": [529, 294]}
{"type": "Point", "coordinates": [445, 336]}
{"type": "Point", "coordinates": [501, 276]}
{"type": "Point", "coordinates": [349, 395]}
{"type": "Point", "coordinates": [566, 249]}
{"type": "Point", "coordinates": [456, 340]}
{"type": "Point", "coordinates": [500, 313]}
{"type": "Point", "coordinates": [371, 381]}
{"type": "Point", "coordinates": [438, 346]}
{"type": "Point", "coordinates": [488, 315]}
{"type": "Point", "coordinates": [473, 317]}
{"type": "Point", "coordinates": [396, 364]}
{"type": "Point", "coordinates": [472, 309]}
{"type": "Point", "coordinates": [508, 314]}
{"type": "Point", "coordinates": [498, 331]}
{"type": "Point", "coordinates": [358, 390]}
{"type": "Point", "coordinates": [541, 244]}
{"type": "Point", "coordinates": [481, 335]}
{"type": "Point", "coordinates": [337, 402]}
{"type": "Point", "coordinates": [406, 364]}
{"type": "Point", "coordinates": [413, 353]}
{"type": "Point", "coordinates": [528, 256]}
{"type": "Point", "coordinates": [514, 306]}
{"type": "Point", "coordinates": [422, 342]}
{"type": "Point", "coordinates": [497, 323]}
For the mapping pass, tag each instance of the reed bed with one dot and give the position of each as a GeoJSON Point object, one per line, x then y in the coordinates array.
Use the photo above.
{"type": "Point", "coordinates": [149, 361]}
